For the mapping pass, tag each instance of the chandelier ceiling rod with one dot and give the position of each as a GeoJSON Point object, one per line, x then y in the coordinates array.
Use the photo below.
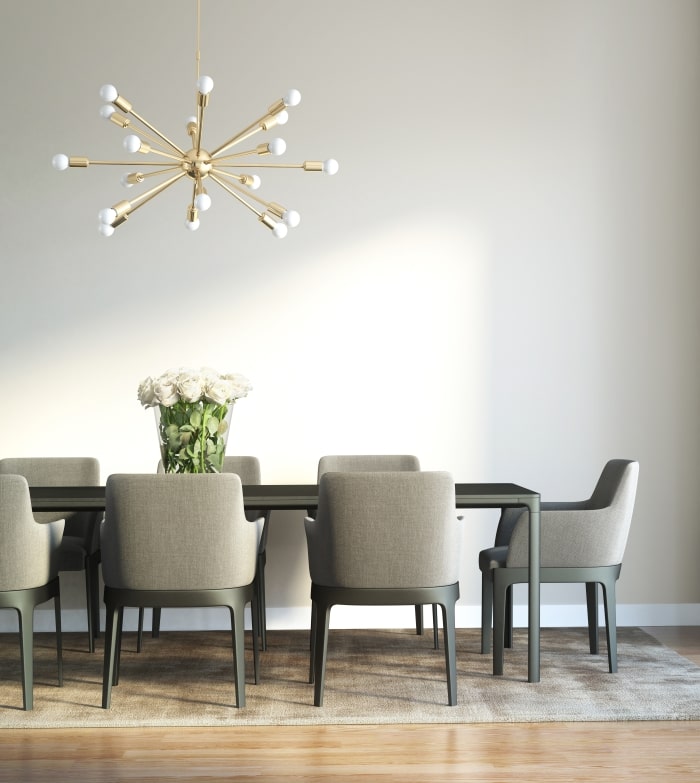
{"type": "Point", "coordinates": [197, 163]}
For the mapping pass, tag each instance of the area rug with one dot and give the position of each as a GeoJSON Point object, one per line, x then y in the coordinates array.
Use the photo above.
{"type": "Point", "coordinates": [373, 677]}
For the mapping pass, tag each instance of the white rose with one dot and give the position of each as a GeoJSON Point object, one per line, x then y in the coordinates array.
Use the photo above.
{"type": "Point", "coordinates": [241, 385]}
{"type": "Point", "coordinates": [146, 394]}
{"type": "Point", "coordinates": [169, 377]}
{"type": "Point", "coordinates": [219, 391]}
{"type": "Point", "coordinates": [190, 387]}
{"type": "Point", "coordinates": [165, 393]}
{"type": "Point", "coordinates": [208, 375]}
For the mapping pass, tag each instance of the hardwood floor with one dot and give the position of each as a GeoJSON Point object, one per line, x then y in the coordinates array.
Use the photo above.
{"type": "Point", "coordinates": [601, 752]}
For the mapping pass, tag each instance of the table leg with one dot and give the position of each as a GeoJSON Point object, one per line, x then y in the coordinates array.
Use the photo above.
{"type": "Point", "coordinates": [533, 597]}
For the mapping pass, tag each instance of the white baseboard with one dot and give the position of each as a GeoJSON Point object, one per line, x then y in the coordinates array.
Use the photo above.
{"type": "Point", "coordinates": [298, 617]}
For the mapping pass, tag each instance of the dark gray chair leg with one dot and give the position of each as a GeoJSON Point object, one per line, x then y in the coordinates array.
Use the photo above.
{"type": "Point", "coordinates": [59, 638]}
{"type": "Point", "coordinates": [320, 651]}
{"type": "Point", "coordinates": [26, 642]}
{"type": "Point", "coordinates": [448, 623]}
{"type": "Point", "coordinates": [312, 640]}
{"type": "Point", "coordinates": [610, 605]}
{"type": "Point", "coordinates": [139, 631]}
{"type": "Point", "coordinates": [419, 620]}
{"type": "Point", "coordinates": [93, 567]}
{"type": "Point", "coordinates": [112, 624]}
{"type": "Point", "coordinates": [486, 610]}
{"type": "Point", "coordinates": [261, 599]}
{"type": "Point", "coordinates": [499, 620]}
{"type": "Point", "coordinates": [508, 633]}
{"type": "Point", "coordinates": [592, 610]}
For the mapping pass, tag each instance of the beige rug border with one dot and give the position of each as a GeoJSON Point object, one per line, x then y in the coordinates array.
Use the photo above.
{"type": "Point", "coordinates": [374, 677]}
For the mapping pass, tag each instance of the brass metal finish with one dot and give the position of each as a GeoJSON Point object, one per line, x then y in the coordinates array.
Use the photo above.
{"type": "Point", "coordinates": [121, 103]}
{"type": "Point", "coordinates": [266, 220]}
{"type": "Point", "coordinates": [120, 120]}
{"type": "Point", "coordinates": [196, 163]}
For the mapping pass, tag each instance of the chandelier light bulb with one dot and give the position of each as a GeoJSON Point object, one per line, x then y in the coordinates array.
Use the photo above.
{"type": "Point", "coordinates": [132, 143]}
{"type": "Point", "coordinates": [202, 202]}
{"type": "Point", "coordinates": [330, 166]}
{"type": "Point", "coordinates": [107, 215]}
{"type": "Point", "coordinates": [292, 98]}
{"type": "Point", "coordinates": [205, 84]}
{"type": "Point", "coordinates": [277, 146]}
{"type": "Point", "coordinates": [255, 182]}
{"type": "Point", "coordinates": [107, 110]}
{"type": "Point", "coordinates": [105, 229]}
{"type": "Point", "coordinates": [280, 230]}
{"type": "Point", "coordinates": [60, 162]}
{"type": "Point", "coordinates": [282, 117]}
{"type": "Point", "coordinates": [108, 92]}
{"type": "Point", "coordinates": [192, 225]}
{"type": "Point", "coordinates": [125, 181]}
{"type": "Point", "coordinates": [292, 218]}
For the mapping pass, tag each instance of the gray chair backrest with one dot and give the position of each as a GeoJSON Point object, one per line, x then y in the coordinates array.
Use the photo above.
{"type": "Point", "coordinates": [589, 534]}
{"type": "Point", "coordinates": [177, 532]}
{"type": "Point", "coordinates": [248, 468]}
{"type": "Point", "coordinates": [367, 462]}
{"type": "Point", "coordinates": [380, 529]}
{"type": "Point", "coordinates": [28, 549]}
{"type": "Point", "coordinates": [57, 472]}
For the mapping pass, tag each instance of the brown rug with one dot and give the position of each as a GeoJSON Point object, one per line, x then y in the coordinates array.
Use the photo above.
{"type": "Point", "coordinates": [185, 679]}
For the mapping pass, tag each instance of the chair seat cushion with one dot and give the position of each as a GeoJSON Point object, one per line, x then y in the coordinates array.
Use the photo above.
{"type": "Point", "coordinates": [72, 554]}
{"type": "Point", "coordinates": [493, 557]}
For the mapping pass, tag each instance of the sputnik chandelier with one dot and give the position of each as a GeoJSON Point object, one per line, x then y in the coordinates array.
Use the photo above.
{"type": "Point", "coordinates": [230, 170]}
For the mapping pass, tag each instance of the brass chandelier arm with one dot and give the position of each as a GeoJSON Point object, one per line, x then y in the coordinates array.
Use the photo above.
{"type": "Point", "coordinates": [264, 123]}
{"type": "Point", "coordinates": [162, 154]}
{"type": "Point", "coordinates": [307, 165]}
{"type": "Point", "coordinates": [248, 194]}
{"type": "Point", "coordinates": [245, 154]}
{"type": "Point", "coordinates": [143, 176]}
{"type": "Point", "coordinates": [233, 191]}
{"type": "Point", "coordinates": [141, 199]}
{"type": "Point", "coordinates": [273, 209]}
{"type": "Point", "coordinates": [83, 163]}
{"type": "Point", "coordinates": [125, 123]}
{"type": "Point", "coordinates": [156, 131]}
{"type": "Point", "coordinates": [126, 207]}
{"type": "Point", "coordinates": [202, 101]}
{"type": "Point", "coordinates": [261, 150]}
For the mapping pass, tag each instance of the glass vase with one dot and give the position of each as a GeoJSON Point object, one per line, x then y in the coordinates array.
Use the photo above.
{"type": "Point", "coordinates": [192, 436]}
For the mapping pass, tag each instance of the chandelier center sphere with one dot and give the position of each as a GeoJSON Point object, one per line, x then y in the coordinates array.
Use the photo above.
{"type": "Point", "coordinates": [197, 164]}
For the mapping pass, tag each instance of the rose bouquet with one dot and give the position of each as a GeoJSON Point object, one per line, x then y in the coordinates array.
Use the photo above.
{"type": "Point", "coordinates": [193, 413]}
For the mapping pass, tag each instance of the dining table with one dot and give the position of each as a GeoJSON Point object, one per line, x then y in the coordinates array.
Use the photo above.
{"type": "Point", "coordinates": [292, 497]}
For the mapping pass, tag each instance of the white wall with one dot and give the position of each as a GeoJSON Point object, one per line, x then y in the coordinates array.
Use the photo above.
{"type": "Point", "coordinates": [501, 279]}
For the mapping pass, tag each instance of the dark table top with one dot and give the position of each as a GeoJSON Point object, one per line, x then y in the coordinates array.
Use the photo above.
{"type": "Point", "coordinates": [283, 497]}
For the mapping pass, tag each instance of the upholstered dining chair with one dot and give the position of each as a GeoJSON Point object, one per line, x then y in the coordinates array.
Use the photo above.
{"type": "Point", "coordinates": [155, 553]}
{"type": "Point", "coordinates": [373, 462]}
{"type": "Point", "coordinates": [383, 538]}
{"type": "Point", "coordinates": [581, 541]}
{"type": "Point", "coordinates": [28, 571]}
{"type": "Point", "coordinates": [248, 468]}
{"type": "Point", "coordinates": [79, 549]}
